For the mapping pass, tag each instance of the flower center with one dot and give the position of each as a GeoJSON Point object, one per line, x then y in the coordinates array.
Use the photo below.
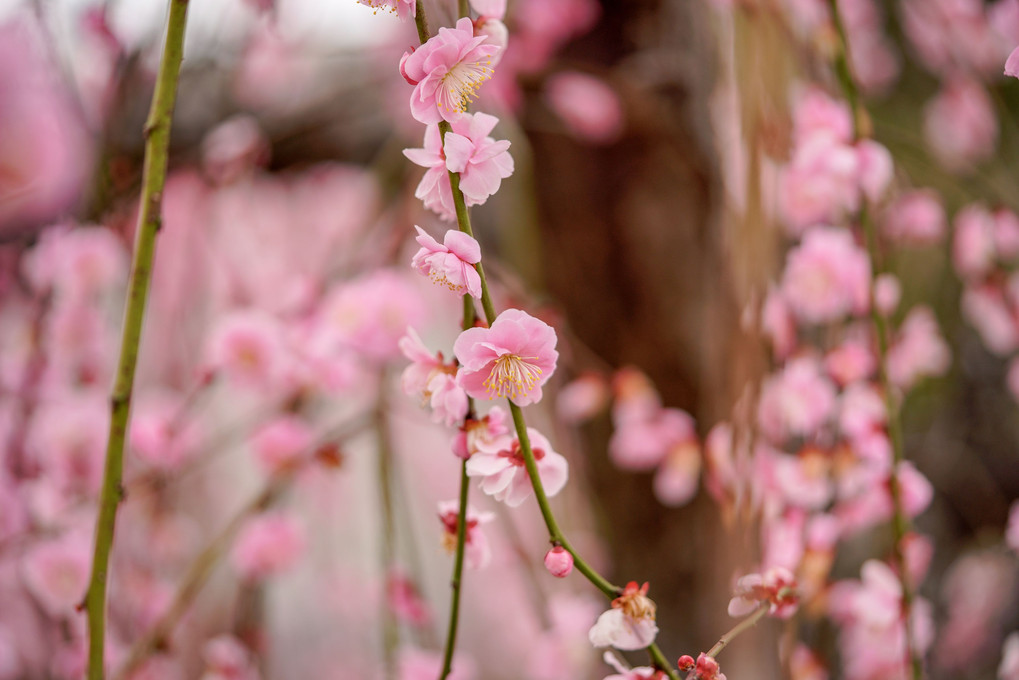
{"type": "Point", "coordinates": [516, 457]}
{"type": "Point", "coordinates": [460, 85]}
{"type": "Point", "coordinates": [512, 377]}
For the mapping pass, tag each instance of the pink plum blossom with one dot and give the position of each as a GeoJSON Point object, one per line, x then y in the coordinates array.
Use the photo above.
{"type": "Point", "coordinates": [402, 8]}
{"type": "Point", "coordinates": [512, 359]}
{"type": "Point", "coordinates": [918, 350]}
{"type": "Point", "coordinates": [267, 545]}
{"type": "Point", "coordinates": [451, 263]}
{"type": "Point", "coordinates": [227, 658]}
{"type": "Point", "coordinates": [233, 148]}
{"type": "Point", "coordinates": [1008, 669]}
{"type": "Point", "coordinates": [827, 276]}
{"type": "Point", "coordinates": [248, 347]}
{"type": "Point", "coordinates": [500, 464]}
{"type": "Point", "coordinates": [590, 108]}
{"type": "Point", "coordinates": [915, 218]}
{"type": "Point", "coordinates": [477, 552]}
{"type": "Point", "coordinates": [162, 433]}
{"type": "Point", "coordinates": [797, 401]}
{"type": "Point", "coordinates": [624, 673]}
{"type": "Point", "coordinates": [629, 624]}
{"type": "Point", "coordinates": [447, 71]}
{"type": "Point", "coordinates": [960, 125]}
{"type": "Point", "coordinates": [56, 573]}
{"type": "Point", "coordinates": [986, 309]}
{"type": "Point", "coordinates": [282, 444]}
{"type": "Point", "coordinates": [973, 249]}
{"type": "Point", "coordinates": [404, 599]}
{"type": "Point", "coordinates": [433, 380]}
{"type": "Point", "coordinates": [851, 361]}
{"type": "Point", "coordinates": [677, 478]}
{"type": "Point", "coordinates": [582, 398]}
{"type": "Point", "coordinates": [467, 149]}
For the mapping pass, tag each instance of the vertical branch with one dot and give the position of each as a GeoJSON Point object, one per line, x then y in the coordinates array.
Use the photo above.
{"type": "Point", "coordinates": [454, 584]}
{"type": "Point", "coordinates": [900, 521]}
{"type": "Point", "coordinates": [157, 142]}
{"type": "Point", "coordinates": [390, 627]}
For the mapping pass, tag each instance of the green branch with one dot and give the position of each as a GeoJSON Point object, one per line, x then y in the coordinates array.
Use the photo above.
{"type": "Point", "coordinates": [157, 142]}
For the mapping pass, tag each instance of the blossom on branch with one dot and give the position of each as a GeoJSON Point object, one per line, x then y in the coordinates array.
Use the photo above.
{"type": "Point", "coordinates": [477, 552]}
{"type": "Point", "coordinates": [450, 263]}
{"type": "Point", "coordinates": [512, 359]}
{"type": "Point", "coordinates": [501, 465]}
{"type": "Point", "coordinates": [629, 624]}
{"type": "Point", "coordinates": [433, 380]}
{"type": "Point", "coordinates": [447, 71]}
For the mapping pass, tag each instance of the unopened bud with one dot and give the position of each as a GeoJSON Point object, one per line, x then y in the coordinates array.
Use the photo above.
{"type": "Point", "coordinates": [559, 562]}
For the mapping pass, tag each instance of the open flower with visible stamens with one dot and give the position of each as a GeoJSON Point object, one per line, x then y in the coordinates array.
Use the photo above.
{"type": "Point", "coordinates": [477, 553]}
{"type": "Point", "coordinates": [432, 379]}
{"type": "Point", "coordinates": [450, 263]}
{"type": "Point", "coordinates": [500, 463]}
{"type": "Point", "coordinates": [629, 624]}
{"type": "Point", "coordinates": [447, 71]}
{"type": "Point", "coordinates": [512, 359]}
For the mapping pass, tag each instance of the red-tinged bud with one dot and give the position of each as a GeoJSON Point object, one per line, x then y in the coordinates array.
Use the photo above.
{"type": "Point", "coordinates": [403, 70]}
{"type": "Point", "coordinates": [685, 663]}
{"type": "Point", "coordinates": [559, 562]}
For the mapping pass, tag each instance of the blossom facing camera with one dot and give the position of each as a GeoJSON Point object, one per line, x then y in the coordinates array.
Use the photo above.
{"type": "Point", "coordinates": [500, 463]}
{"type": "Point", "coordinates": [559, 562]}
{"type": "Point", "coordinates": [447, 71]}
{"type": "Point", "coordinates": [512, 359]}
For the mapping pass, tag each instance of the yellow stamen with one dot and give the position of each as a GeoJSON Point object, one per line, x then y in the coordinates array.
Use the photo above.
{"type": "Point", "coordinates": [512, 377]}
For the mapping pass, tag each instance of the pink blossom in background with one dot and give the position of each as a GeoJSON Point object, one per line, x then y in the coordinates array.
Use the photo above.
{"type": "Point", "coordinates": [918, 350]}
{"type": "Point", "coordinates": [875, 168]}
{"type": "Point", "coordinates": [77, 262]}
{"type": "Point", "coordinates": [778, 324]}
{"type": "Point", "coordinates": [874, 59]}
{"type": "Point", "coordinates": [797, 401]}
{"type": "Point", "coordinates": [827, 276]}
{"type": "Point", "coordinates": [451, 263]}
{"type": "Point", "coordinates": [951, 35]}
{"type": "Point", "coordinates": [862, 410]}
{"type": "Point", "coordinates": [960, 125]}
{"type": "Point", "coordinates": [67, 439]}
{"type": "Point", "coordinates": [512, 359]}
{"type": "Point", "coordinates": [851, 361]}
{"type": "Point", "coordinates": [274, 75]}
{"type": "Point", "coordinates": [915, 218]}
{"type": "Point", "coordinates": [433, 380]}
{"type": "Point", "coordinates": [887, 293]}
{"type": "Point", "coordinates": [629, 624]}
{"type": "Point", "coordinates": [582, 398]}
{"type": "Point", "coordinates": [678, 477]}
{"type": "Point", "coordinates": [973, 248]}
{"type": "Point", "coordinates": [641, 443]}
{"type": "Point", "coordinates": [481, 161]}
{"type": "Point", "coordinates": [985, 308]}
{"type": "Point", "coordinates": [163, 433]}
{"type": "Point", "coordinates": [820, 183]}
{"type": "Point", "coordinates": [247, 346]}
{"type": "Point", "coordinates": [495, 9]}
{"type": "Point", "coordinates": [776, 587]}
{"type": "Point", "coordinates": [56, 573]}
{"type": "Point", "coordinates": [369, 314]}
{"type": "Point", "coordinates": [477, 551]}
{"type": "Point", "coordinates": [624, 673]}
{"type": "Point", "coordinates": [447, 71]}
{"type": "Point", "coordinates": [816, 114]}
{"type": "Point", "coordinates": [45, 153]}
{"type": "Point", "coordinates": [562, 649]}
{"type": "Point", "coordinates": [500, 465]}
{"type": "Point", "coordinates": [805, 665]}
{"type": "Point", "coordinates": [404, 599]}
{"type": "Point", "coordinates": [282, 444]}
{"type": "Point", "coordinates": [589, 107]}
{"type": "Point", "coordinates": [267, 545]}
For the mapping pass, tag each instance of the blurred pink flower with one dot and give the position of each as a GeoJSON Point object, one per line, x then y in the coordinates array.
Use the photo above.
{"type": "Point", "coordinates": [850, 361]}
{"type": "Point", "coordinates": [1012, 63]}
{"type": "Point", "coordinates": [500, 464]}
{"type": "Point", "coordinates": [227, 658]}
{"type": "Point", "coordinates": [282, 444]}
{"type": "Point", "coordinates": [247, 346]}
{"type": "Point", "coordinates": [450, 263]}
{"type": "Point", "coordinates": [624, 673]}
{"type": "Point", "coordinates": [960, 125]}
{"type": "Point", "coordinates": [418, 664]}
{"type": "Point", "coordinates": [447, 71]}
{"type": "Point", "coordinates": [590, 108]}
{"type": "Point", "coordinates": [915, 218]}
{"type": "Point", "coordinates": [512, 359]}
{"type": "Point", "coordinates": [582, 398]}
{"type": "Point", "coordinates": [480, 432]}
{"type": "Point", "coordinates": [477, 552]}
{"type": "Point", "coordinates": [267, 545]}
{"type": "Point", "coordinates": [629, 624]}
{"type": "Point", "coordinates": [918, 350]}
{"type": "Point", "coordinates": [162, 433]}
{"type": "Point", "coordinates": [827, 276]}
{"type": "Point", "coordinates": [987, 311]}
{"type": "Point", "coordinates": [797, 401]}
{"type": "Point", "coordinates": [234, 148]}
{"type": "Point", "coordinates": [1008, 669]}
{"type": "Point", "coordinates": [56, 573]}
{"type": "Point", "coordinates": [973, 248]}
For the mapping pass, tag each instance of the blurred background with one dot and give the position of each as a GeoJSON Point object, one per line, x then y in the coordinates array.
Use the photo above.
{"type": "Point", "coordinates": [649, 219]}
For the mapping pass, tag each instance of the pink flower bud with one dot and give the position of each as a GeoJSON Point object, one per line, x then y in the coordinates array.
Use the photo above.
{"type": "Point", "coordinates": [685, 663]}
{"type": "Point", "coordinates": [559, 562]}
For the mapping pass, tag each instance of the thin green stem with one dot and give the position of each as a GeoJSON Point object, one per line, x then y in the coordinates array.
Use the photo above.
{"type": "Point", "coordinates": [157, 143]}
{"type": "Point", "coordinates": [390, 631]}
{"type": "Point", "coordinates": [744, 625]}
{"type": "Point", "coordinates": [900, 520]}
{"type": "Point", "coordinates": [454, 584]}
{"type": "Point", "coordinates": [463, 8]}
{"type": "Point", "coordinates": [421, 21]}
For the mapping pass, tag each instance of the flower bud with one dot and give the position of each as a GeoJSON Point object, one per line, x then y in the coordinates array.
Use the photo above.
{"type": "Point", "coordinates": [685, 663]}
{"type": "Point", "coordinates": [559, 562]}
